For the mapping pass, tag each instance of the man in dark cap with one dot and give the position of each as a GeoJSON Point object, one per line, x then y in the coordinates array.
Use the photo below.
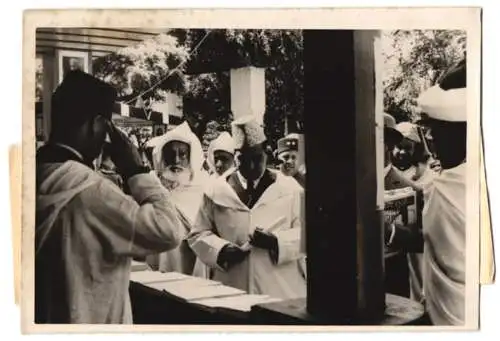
{"type": "Point", "coordinates": [288, 155]}
{"type": "Point", "coordinates": [443, 219]}
{"type": "Point", "coordinates": [87, 229]}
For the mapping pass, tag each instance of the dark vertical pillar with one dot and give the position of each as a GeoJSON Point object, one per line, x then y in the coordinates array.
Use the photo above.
{"type": "Point", "coordinates": [343, 234]}
{"type": "Point", "coordinates": [330, 134]}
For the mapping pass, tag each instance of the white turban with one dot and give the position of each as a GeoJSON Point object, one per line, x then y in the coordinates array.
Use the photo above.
{"type": "Point", "coordinates": [182, 133]}
{"type": "Point", "coordinates": [223, 142]}
{"type": "Point", "coordinates": [445, 105]}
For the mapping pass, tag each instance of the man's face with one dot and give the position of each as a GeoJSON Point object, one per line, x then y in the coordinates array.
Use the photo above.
{"type": "Point", "coordinates": [176, 155]}
{"type": "Point", "coordinates": [403, 154]}
{"type": "Point", "coordinates": [252, 162]}
{"type": "Point", "coordinates": [289, 161]}
{"type": "Point", "coordinates": [223, 161]}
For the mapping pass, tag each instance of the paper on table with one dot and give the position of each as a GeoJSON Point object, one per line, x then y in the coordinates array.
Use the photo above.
{"type": "Point", "coordinates": [240, 302]}
{"type": "Point", "coordinates": [146, 277]}
{"type": "Point", "coordinates": [138, 266]}
{"type": "Point", "coordinates": [209, 291]}
{"type": "Point", "coordinates": [192, 282]}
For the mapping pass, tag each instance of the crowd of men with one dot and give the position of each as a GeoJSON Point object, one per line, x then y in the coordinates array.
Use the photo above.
{"type": "Point", "coordinates": [239, 223]}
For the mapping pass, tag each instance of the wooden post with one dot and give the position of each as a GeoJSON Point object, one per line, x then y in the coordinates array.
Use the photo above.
{"type": "Point", "coordinates": [370, 237]}
{"type": "Point", "coordinates": [344, 235]}
{"type": "Point", "coordinates": [50, 77]}
{"type": "Point", "coordinates": [248, 92]}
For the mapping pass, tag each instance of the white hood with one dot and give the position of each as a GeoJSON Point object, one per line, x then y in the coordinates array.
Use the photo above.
{"type": "Point", "coordinates": [184, 134]}
{"type": "Point", "coordinates": [223, 142]}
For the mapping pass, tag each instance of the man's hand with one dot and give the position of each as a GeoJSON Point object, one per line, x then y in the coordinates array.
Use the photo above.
{"type": "Point", "coordinates": [263, 240]}
{"type": "Point", "coordinates": [124, 154]}
{"type": "Point", "coordinates": [230, 255]}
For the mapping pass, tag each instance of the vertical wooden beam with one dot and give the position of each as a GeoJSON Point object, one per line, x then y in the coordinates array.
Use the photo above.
{"type": "Point", "coordinates": [90, 63]}
{"type": "Point", "coordinates": [50, 76]}
{"type": "Point", "coordinates": [370, 241]}
{"type": "Point", "coordinates": [331, 214]}
{"type": "Point", "coordinates": [344, 235]}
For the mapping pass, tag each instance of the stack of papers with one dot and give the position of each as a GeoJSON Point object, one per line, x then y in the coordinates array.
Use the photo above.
{"type": "Point", "coordinates": [240, 302]}
{"type": "Point", "coordinates": [190, 282]}
{"type": "Point", "coordinates": [146, 277]}
{"type": "Point", "coordinates": [138, 266]}
{"type": "Point", "coordinates": [189, 293]}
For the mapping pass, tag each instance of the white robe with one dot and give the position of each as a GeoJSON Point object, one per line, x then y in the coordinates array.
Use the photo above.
{"type": "Point", "coordinates": [187, 199]}
{"type": "Point", "coordinates": [182, 259]}
{"type": "Point", "coordinates": [87, 231]}
{"type": "Point", "coordinates": [444, 248]}
{"type": "Point", "coordinates": [224, 219]}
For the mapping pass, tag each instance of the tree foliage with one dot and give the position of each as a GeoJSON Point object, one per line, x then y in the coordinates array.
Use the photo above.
{"type": "Point", "coordinates": [413, 61]}
{"type": "Point", "coordinates": [135, 69]}
{"type": "Point", "coordinates": [208, 95]}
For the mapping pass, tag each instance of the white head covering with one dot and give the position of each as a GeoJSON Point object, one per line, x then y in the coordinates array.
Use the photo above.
{"type": "Point", "coordinates": [223, 142]}
{"type": "Point", "coordinates": [409, 130]}
{"type": "Point", "coordinates": [153, 142]}
{"type": "Point", "coordinates": [181, 133]}
{"type": "Point", "coordinates": [445, 105]}
{"type": "Point", "coordinates": [247, 132]}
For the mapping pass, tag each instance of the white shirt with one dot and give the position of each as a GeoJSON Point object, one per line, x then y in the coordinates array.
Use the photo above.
{"type": "Point", "coordinates": [244, 181]}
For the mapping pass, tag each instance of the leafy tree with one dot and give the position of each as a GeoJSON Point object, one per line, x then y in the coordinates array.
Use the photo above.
{"type": "Point", "coordinates": [135, 69]}
{"type": "Point", "coordinates": [208, 95]}
{"type": "Point", "coordinates": [413, 61]}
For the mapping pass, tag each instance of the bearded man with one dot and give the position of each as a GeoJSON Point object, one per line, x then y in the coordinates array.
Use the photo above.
{"type": "Point", "coordinates": [178, 159]}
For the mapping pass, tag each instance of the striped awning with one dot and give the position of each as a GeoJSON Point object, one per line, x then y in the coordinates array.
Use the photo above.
{"type": "Point", "coordinates": [100, 41]}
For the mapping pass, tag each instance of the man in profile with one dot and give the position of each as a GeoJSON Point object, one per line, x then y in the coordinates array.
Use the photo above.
{"type": "Point", "coordinates": [443, 236]}
{"type": "Point", "coordinates": [87, 229]}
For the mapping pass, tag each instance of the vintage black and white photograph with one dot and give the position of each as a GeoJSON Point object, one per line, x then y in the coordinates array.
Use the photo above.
{"type": "Point", "coordinates": [254, 176]}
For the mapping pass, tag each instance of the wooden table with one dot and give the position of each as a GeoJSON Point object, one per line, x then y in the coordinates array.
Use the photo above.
{"type": "Point", "coordinates": [173, 298]}
{"type": "Point", "coordinates": [399, 311]}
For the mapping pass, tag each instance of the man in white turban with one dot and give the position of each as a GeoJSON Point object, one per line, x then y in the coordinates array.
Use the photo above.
{"type": "Point", "coordinates": [443, 220]}
{"type": "Point", "coordinates": [177, 159]}
{"type": "Point", "coordinates": [249, 226]}
{"type": "Point", "coordinates": [221, 154]}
